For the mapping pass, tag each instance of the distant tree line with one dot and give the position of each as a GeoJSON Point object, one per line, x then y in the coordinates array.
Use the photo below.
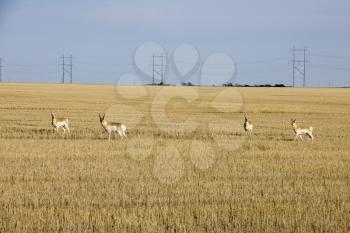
{"type": "Point", "coordinates": [239, 85]}
{"type": "Point", "coordinates": [187, 84]}
{"type": "Point", "coordinates": [256, 85]}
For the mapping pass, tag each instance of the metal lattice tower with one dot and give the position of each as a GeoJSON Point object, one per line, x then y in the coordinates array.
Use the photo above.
{"type": "Point", "coordinates": [158, 68]}
{"type": "Point", "coordinates": [299, 64]}
{"type": "Point", "coordinates": [67, 68]}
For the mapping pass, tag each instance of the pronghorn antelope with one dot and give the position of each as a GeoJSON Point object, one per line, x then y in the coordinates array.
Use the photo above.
{"type": "Point", "coordinates": [301, 130]}
{"type": "Point", "coordinates": [60, 122]}
{"type": "Point", "coordinates": [112, 127]}
{"type": "Point", "coordinates": [248, 127]}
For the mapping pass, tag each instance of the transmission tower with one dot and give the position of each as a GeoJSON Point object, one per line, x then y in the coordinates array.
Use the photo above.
{"type": "Point", "coordinates": [158, 67]}
{"type": "Point", "coordinates": [67, 68]}
{"type": "Point", "coordinates": [299, 64]}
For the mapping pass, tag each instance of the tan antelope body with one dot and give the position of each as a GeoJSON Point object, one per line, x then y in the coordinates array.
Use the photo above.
{"type": "Point", "coordinates": [248, 127]}
{"type": "Point", "coordinates": [112, 127]}
{"type": "Point", "coordinates": [59, 122]}
{"type": "Point", "coordinates": [301, 129]}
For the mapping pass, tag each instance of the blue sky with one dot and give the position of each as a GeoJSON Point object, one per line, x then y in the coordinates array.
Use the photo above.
{"type": "Point", "coordinates": [102, 37]}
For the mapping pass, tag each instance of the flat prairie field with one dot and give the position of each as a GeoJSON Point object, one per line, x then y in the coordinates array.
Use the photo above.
{"type": "Point", "coordinates": [187, 164]}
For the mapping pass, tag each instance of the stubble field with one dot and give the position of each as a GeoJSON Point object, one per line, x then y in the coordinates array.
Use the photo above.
{"type": "Point", "coordinates": [186, 166]}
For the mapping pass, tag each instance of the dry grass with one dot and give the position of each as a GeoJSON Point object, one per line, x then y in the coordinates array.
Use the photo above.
{"type": "Point", "coordinates": [196, 173]}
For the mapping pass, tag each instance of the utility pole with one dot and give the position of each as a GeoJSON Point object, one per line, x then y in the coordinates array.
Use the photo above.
{"type": "Point", "coordinates": [158, 68]}
{"type": "Point", "coordinates": [304, 73]}
{"type": "Point", "coordinates": [63, 69]}
{"type": "Point", "coordinates": [299, 64]}
{"type": "Point", "coordinates": [153, 70]}
{"type": "Point", "coordinates": [0, 71]}
{"type": "Point", "coordinates": [71, 69]}
{"type": "Point", "coordinates": [162, 71]}
{"type": "Point", "coordinates": [67, 68]}
{"type": "Point", "coordinates": [293, 66]}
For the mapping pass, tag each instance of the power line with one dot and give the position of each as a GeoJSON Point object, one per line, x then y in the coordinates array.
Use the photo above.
{"type": "Point", "coordinates": [328, 56]}
{"type": "Point", "coordinates": [26, 65]}
{"type": "Point", "coordinates": [262, 61]}
{"type": "Point", "coordinates": [330, 67]}
{"type": "Point", "coordinates": [19, 71]}
{"type": "Point", "coordinates": [76, 62]}
{"type": "Point", "coordinates": [269, 60]}
{"type": "Point", "coordinates": [210, 64]}
{"type": "Point", "coordinates": [101, 64]}
{"type": "Point", "coordinates": [28, 72]}
{"type": "Point", "coordinates": [77, 69]}
{"type": "Point", "coordinates": [265, 71]}
{"type": "Point", "coordinates": [159, 66]}
{"type": "Point", "coordinates": [244, 73]}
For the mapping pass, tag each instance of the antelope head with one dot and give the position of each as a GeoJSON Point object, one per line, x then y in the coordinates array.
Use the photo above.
{"type": "Point", "coordinates": [292, 122]}
{"type": "Point", "coordinates": [102, 117]}
{"type": "Point", "coordinates": [53, 117]}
